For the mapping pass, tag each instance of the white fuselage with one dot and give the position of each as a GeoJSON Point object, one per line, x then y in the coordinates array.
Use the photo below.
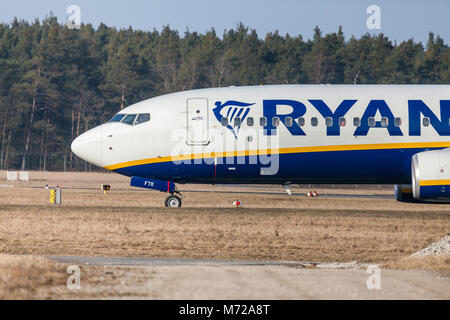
{"type": "Point", "coordinates": [318, 133]}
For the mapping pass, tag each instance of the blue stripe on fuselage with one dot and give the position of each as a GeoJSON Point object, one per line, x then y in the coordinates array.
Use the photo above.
{"type": "Point", "coordinates": [387, 166]}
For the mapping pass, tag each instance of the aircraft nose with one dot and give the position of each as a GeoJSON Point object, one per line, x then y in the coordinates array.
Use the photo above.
{"type": "Point", "coordinates": [88, 146]}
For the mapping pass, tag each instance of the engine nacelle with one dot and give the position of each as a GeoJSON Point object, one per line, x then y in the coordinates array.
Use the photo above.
{"type": "Point", "coordinates": [431, 175]}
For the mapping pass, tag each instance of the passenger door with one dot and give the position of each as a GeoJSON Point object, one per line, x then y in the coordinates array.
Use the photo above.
{"type": "Point", "coordinates": [197, 122]}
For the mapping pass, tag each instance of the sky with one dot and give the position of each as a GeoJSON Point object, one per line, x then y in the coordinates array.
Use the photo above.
{"type": "Point", "coordinates": [399, 19]}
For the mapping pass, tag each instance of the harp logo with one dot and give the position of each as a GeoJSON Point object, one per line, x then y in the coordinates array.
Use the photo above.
{"type": "Point", "coordinates": [232, 110]}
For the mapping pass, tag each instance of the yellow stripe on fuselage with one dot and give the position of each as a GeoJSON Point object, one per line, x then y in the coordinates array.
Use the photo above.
{"type": "Point", "coordinates": [425, 183]}
{"type": "Point", "coordinates": [382, 146]}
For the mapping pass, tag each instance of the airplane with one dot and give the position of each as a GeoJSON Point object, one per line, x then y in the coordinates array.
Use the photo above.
{"type": "Point", "coordinates": [282, 134]}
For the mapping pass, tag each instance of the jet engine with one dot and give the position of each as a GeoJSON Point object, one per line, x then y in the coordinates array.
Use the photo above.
{"type": "Point", "coordinates": [431, 175]}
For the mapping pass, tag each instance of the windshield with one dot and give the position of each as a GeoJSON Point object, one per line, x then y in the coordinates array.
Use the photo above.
{"type": "Point", "coordinates": [129, 119]}
{"type": "Point", "coordinates": [143, 117]}
{"type": "Point", "coordinates": [117, 118]}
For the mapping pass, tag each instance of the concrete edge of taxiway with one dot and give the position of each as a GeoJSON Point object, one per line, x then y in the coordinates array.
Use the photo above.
{"type": "Point", "coordinates": [145, 261]}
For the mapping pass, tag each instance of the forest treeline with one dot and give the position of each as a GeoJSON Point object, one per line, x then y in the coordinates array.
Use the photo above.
{"type": "Point", "coordinates": [56, 82]}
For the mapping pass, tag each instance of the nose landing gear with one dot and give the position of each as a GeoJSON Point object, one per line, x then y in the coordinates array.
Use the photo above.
{"type": "Point", "coordinates": [173, 201]}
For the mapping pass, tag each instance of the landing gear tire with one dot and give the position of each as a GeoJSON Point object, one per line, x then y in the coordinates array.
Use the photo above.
{"type": "Point", "coordinates": [173, 201]}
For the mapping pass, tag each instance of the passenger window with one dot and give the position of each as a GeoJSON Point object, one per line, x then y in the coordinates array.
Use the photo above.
{"type": "Point", "coordinates": [129, 119]}
{"type": "Point", "coordinates": [342, 122]}
{"type": "Point", "coordinates": [117, 117]}
{"type": "Point", "coordinates": [384, 122]}
{"type": "Point", "coordinates": [288, 121]}
{"type": "Point", "coordinates": [398, 122]}
{"type": "Point", "coordinates": [329, 121]}
{"type": "Point", "coordinates": [237, 121]}
{"type": "Point", "coordinates": [224, 121]}
{"type": "Point", "coordinates": [426, 121]}
{"type": "Point", "coordinates": [250, 121]}
{"type": "Point", "coordinates": [356, 122]}
{"type": "Point", "coordinates": [263, 121]}
{"type": "Point", "coordinates": [275, 121]}
{"type": "Point", "coordinates": [314, 121]}
{"type": "Point", "coordinates": [142, 117]}
{"type": "Point", "coordinates": [371, 122]}
{"type": "Point", "coordinates": [301, 121]}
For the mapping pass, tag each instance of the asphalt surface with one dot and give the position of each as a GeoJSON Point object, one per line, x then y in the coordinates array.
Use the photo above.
{"type": "Point", "coordinates": [166, 278]}
{"type": "Point", "coordinates": [296, 194]}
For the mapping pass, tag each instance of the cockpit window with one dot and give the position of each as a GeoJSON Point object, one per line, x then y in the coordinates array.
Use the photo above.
{"type": "Point", "coordinates": [129, 119]}
{"type": "Point", "coordinates": [117, 118]}
{"type": "Point", "coordinates": [142, 117]}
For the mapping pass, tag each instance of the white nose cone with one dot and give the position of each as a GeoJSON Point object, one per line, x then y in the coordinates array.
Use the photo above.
{"type": "Point", "coordinates": [88, 146]}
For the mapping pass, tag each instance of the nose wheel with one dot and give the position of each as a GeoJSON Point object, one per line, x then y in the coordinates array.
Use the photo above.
{"type": "Point", "coordinates": [173, 201]}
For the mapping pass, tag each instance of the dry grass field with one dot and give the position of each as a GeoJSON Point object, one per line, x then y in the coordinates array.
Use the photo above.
{"type": "Point", "coordinates": [128, 222]}
{"type": "Point", "coordinates": [23, 277]}
{"type": "Point", "coordinates": [133, 222]}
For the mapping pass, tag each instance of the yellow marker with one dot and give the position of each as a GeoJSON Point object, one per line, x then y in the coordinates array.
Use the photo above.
{"type": "Point", "coordinates": [52, 196]}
